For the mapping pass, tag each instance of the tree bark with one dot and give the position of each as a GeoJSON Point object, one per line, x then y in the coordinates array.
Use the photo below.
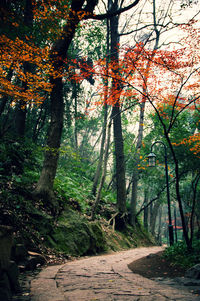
{"type": "Point", "coordinates": [20, 119]}
{"type": "Point", "coordinates": [40, 121]}
{"type": "Point", "coordinates": [44, 187]}
{"type": "Point", "coordinates": [178, 195]}
{"type": "Point", "coordinates": [45, 183]}
{"type": "Point", "coordinates": [135, 176]}
{"type": "Point", "coordinates": [58, 55]}
{"type": "Point", "coordinates": [153, 217]}
{"type": "Point", "coordinates": [21, 110]}
{"type": "Point", "coordinates": [146, 211]}
{"type": "Point", "coordinates": [159, 235]}
{"type": "Point", "coordinates": [75, 97]}
{"type": "Point", "coordinates": [4, 99]}
{"type": "Point", "coordinates": [105, 160]}
{"type": "Point", "coordinates": [194, 189]}
{"type": "Point", "coordinates": [100, 161]}
{"type": "Point", "coordinates": [117, 126]}
{"type": "Point", "coordinates": [103, 139]}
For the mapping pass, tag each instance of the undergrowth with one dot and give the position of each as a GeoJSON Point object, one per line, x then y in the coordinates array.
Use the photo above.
{"type": "Point", "coordinates": [68, 229]}
{"type": "Point", "coordinates": [178, 254]}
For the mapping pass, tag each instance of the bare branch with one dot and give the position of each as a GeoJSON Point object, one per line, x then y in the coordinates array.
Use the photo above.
{"type": "Point", "coordinates": [111, 14]}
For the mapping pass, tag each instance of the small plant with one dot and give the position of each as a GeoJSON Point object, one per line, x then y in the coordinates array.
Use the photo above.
{"type": "Point", "coordinates": [73, 187]}
{"type": "Point", "coordinates": [178, 254]}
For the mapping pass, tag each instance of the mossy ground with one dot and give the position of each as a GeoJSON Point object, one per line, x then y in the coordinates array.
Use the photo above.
{"type": "Point", "coordinates": [66, 232]}
{"type": "Point", "coordinates": [75, 235]}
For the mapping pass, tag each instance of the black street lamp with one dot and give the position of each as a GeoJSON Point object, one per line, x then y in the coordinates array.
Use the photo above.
{"type": "Point", "coordinates": [152, 162]}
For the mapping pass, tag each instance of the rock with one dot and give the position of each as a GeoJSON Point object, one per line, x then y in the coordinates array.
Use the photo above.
{"type": "Point", "coordinates": [8, 269]}
{"type": "Point", "coordinates": [20, 252]}
{"type": "Point", "coordinates": [75, 236]}
{"type": "Point", "coordinates": [193, 272]}
{"type": "Point", "coordinates": [189, 282]}
{"type": "Point", "coordinates": [13, 275]}
{"type": "Point", "coordinates": [22, 268]}
{"type": "Point", "coordinates": [34, 261]}
{"type": "Point", "coordinates": [6, 239]}
{"type": "Point", "coordinates": [5, 289]}
{"type": "Point", "coordinates": [150, 256]}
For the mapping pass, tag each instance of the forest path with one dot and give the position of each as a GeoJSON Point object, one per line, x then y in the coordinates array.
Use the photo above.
{"type": "Point", "coordinates": [105, 278]}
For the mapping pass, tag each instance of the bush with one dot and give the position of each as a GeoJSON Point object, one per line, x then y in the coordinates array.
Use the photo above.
{"type": "Point", "coordinates": [178, 254]}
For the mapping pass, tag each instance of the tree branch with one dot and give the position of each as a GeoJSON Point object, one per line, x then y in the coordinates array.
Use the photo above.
{"type": "Point", "coordinates": [110, 14]}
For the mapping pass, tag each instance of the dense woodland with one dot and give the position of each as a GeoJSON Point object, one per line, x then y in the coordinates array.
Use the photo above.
{"type": "Point", "coordinates": [86, 88]}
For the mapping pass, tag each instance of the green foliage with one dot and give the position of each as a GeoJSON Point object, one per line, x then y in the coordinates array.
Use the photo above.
{"type": "Point", "coordinates": [19, 159]}
{"type": "Point", "coordinates": [108, 196]}
{"type": "Point", "coordinates": [73, 187]}
{"type": "Point", "coordinates": [91, 39]}
{"type": "Point", "coordinates": [178, 254]}
{"type": "Point", "coordinates": [73, 180]}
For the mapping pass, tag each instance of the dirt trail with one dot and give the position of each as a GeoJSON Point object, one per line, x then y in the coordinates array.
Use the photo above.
{"type": "Point", "coordinates": [106, 278]}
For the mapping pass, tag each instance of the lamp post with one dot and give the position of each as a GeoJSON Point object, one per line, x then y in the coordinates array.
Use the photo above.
{"type": "Point", "coordinates": [152, 162]}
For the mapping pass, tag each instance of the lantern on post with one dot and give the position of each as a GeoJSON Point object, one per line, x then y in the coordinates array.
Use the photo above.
{"type": "Point", "coordinates": [151, 160]}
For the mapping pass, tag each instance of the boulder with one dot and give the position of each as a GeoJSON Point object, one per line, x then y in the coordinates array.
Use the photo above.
{"type": "Point", "coordinates": [5, 289]}
{"type": "Point", "coordinates": [151, 256]}
{"type": "Point", "coordinates": [8, 269]}
{"type": "Point", "coordinates": [19, 252]}
{"type": "Point", "coordinates": [13, 275]}
{"type": "Point", "coordinates": [75, 236]}
{"type": "Point", "coordinates": [193, 272]}
{"type": "Point", "coordinates": [6, 239]}
{"type": "Point", "coordinates": [34, 260]}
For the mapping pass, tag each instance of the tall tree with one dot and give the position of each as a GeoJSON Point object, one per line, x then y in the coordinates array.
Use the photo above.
{"type": "Point", "coordinates": [159, 25]}
{"type": "Point", "coordinates": [116, 117]}
{"type": "Point", "coordinates": [58, 55]}
{"type": "Point", "coordinates": [20, 109]}
{"type": "Point", "coordinates": [77, 12]}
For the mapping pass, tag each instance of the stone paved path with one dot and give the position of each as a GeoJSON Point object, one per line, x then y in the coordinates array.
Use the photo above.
{"type": "Point", "coordinates": [103, 278]}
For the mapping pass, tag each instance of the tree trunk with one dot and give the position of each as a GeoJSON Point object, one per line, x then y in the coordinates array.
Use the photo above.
{"type": "Point", "coordinates": [194, 189]}
{"type": "Point", "coordinates": [146, 210]}
{"type": "Point", "coordinates": [105, 160]}
{"type": "Point", "coordinates": [135, 176]}
{"type": "Point", "coordinates": [185, 232]}
{"type": "Point", "coordinates": [134, 188]}
{"type": "Point", "coordinates": [21, 110]}
{"type": "Point", "coordinates": [159, 235]}
{"type": "Point", "coordinates": [117, 126]}
{"type": "Point", "coordinates": [175, 224]}
{"type": "Point", "coordinates": [45, 183]}
{"type": "Point", "coordinates": [5, 98]}
{"type": "Point", "coordinates": [44, 186]}
{"type": "Point", "coordinates": [20, 119]}
{"type": "Point", "coordinates": [40, 121]}
{"type": "Point", "coordinates": [100, 161]}
{"type": "Point", "coordinates": [119, 160]}
{"type": "Point", "coordinates": [75, 88]}
{"type": "Point", "coordinates": [154, 214]}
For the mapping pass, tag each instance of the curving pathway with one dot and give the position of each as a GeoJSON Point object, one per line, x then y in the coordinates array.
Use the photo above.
{"type": "Point", "coordinates": [104, 278]}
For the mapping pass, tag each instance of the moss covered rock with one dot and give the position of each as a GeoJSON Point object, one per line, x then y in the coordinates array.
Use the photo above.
{"type": "Point", "coordinates": [75, 236]}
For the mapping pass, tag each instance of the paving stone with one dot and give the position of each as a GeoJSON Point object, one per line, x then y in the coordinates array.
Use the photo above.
{"type": "Point", "coordinates": [105, 278]}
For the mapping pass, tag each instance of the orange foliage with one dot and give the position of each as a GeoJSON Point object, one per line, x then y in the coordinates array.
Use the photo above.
{"type": "Point", "coordinates": [17, 49]}
{"type": "Point", "coordinates": [171, 79]}
{"type": "Point", "coordinates": [193, 143]}
{"type": "Point", "coordinates": [160, 72]}
{"type": "Point", "coordinates": [13, 55]}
